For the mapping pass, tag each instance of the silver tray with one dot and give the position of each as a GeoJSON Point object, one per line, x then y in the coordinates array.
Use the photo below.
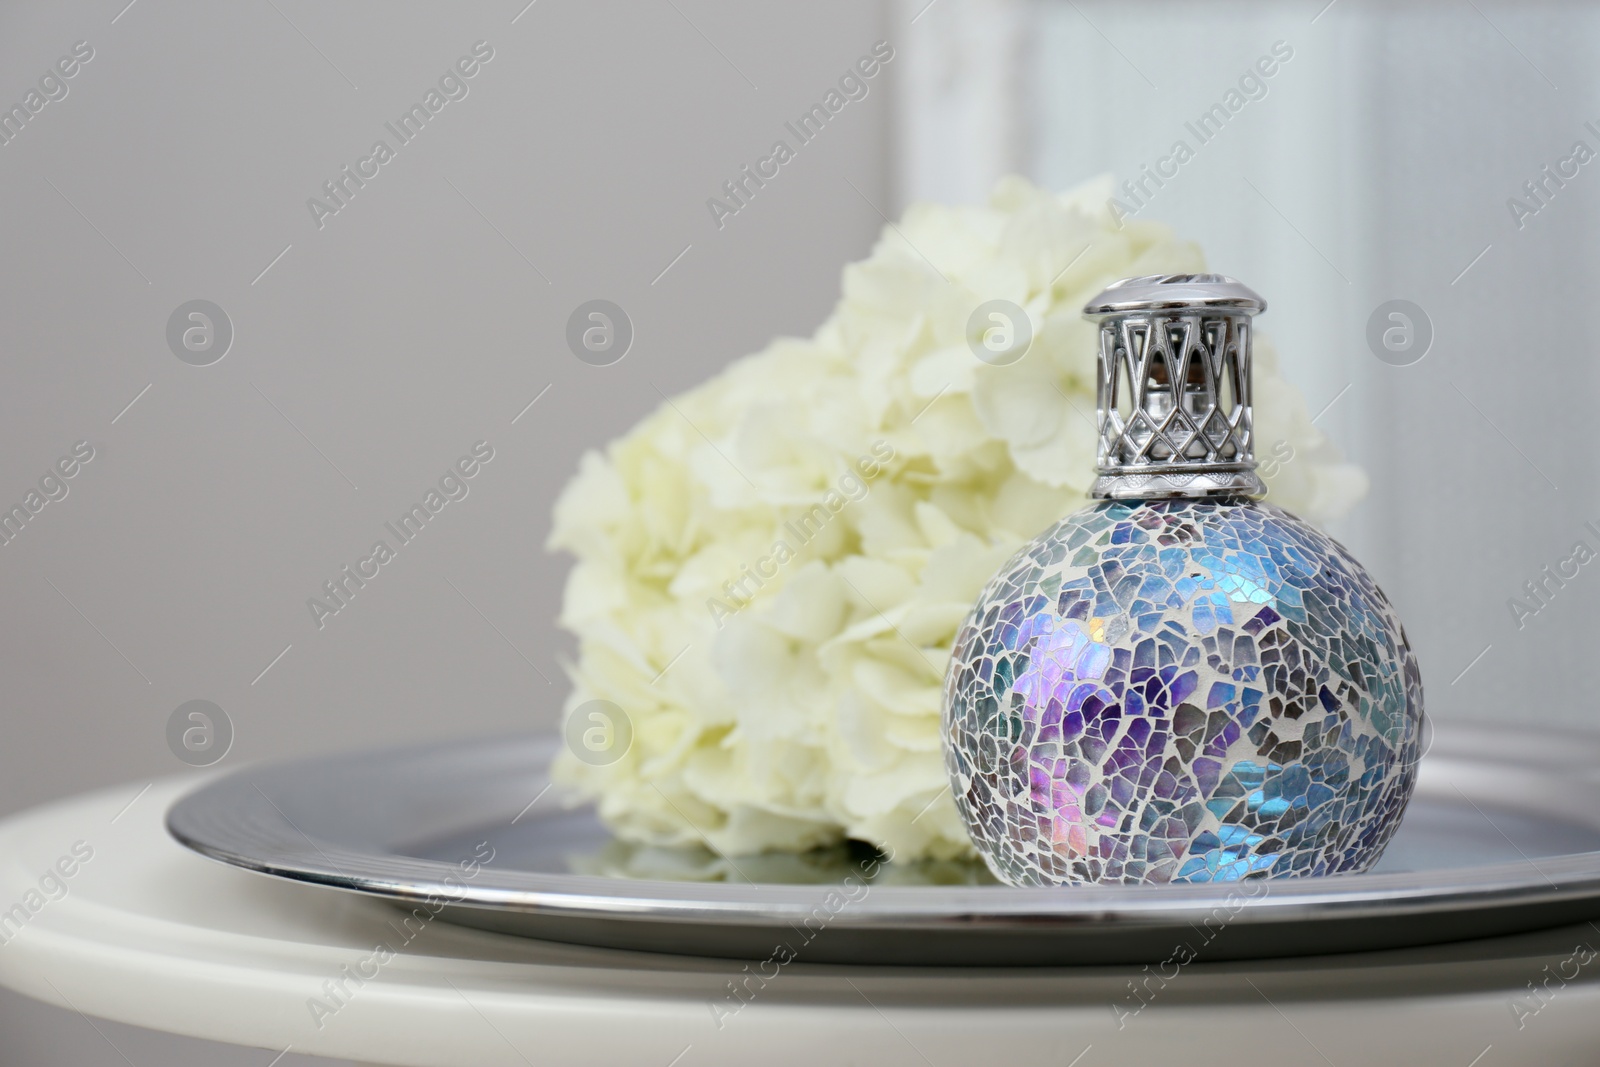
{"type": "Point", "coordinates": [1501, 837]}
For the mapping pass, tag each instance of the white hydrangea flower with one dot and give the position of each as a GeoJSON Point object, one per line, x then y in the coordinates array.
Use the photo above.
{"type": "Point", "coordinates": [800, 537]}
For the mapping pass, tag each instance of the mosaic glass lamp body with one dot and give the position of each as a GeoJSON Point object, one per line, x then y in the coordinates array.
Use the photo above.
{"type": "Point", "coordinates": [1180, 683]}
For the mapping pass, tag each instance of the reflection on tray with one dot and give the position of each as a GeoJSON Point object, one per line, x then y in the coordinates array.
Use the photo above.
{"type": "Point", "coordinates": [826, 866]}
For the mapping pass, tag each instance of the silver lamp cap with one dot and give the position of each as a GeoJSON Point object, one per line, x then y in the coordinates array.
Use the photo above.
{"type": "Point", "coordinates": [1173, 388]}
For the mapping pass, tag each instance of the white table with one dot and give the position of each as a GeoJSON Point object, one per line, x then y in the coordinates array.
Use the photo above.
{"type": "Point", "coordinates": [150, 934]}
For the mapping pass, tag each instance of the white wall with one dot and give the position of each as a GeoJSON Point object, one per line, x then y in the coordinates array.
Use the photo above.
{"type": "Point", "coordinates": [407, 328]}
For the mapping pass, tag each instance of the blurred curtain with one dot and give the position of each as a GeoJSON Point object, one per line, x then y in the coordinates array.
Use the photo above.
{"type": "Point", "coordinates": [1383, 159]}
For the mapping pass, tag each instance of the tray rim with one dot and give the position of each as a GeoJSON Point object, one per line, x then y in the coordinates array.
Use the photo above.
{"type": "Point", "coordinates": [402, 879]}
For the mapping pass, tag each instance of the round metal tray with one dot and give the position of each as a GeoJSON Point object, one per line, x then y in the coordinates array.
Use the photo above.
{"type": "Point", "coordinates": [1501, 837]}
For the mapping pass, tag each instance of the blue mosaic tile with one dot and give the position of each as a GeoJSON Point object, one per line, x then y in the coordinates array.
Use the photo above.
{"type": "Point", "coordinates": [1181, 691]}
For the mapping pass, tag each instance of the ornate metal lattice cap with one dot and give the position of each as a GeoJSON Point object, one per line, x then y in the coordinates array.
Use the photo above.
{"type": "Point", "coordinates": [1173, 388]}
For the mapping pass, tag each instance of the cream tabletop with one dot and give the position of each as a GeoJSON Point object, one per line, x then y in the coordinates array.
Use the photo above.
{"type": "Point", "coordinates": [102, 913]}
